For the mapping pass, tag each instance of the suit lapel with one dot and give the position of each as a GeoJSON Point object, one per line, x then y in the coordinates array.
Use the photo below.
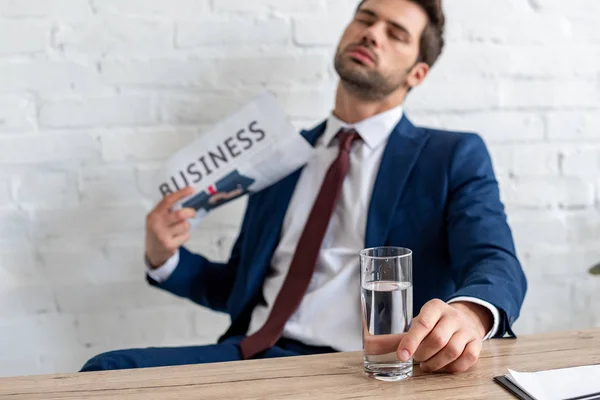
{"type": "Point", "coordinates": [399, 157]}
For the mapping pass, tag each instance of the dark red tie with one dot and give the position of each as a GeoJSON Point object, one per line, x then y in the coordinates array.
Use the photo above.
{"type": "Point", "coordinates": [307, 252]}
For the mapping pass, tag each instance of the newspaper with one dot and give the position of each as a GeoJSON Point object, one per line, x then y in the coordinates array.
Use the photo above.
{"type": "Point", "coordinates": [246, 152]}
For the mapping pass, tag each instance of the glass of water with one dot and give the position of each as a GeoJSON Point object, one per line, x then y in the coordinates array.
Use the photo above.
{"type": "Point", "coordinates": [387, 308]}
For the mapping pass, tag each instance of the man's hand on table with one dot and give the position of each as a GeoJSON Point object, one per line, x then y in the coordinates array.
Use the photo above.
{"type": "Point", "coordinates": [446, 337]}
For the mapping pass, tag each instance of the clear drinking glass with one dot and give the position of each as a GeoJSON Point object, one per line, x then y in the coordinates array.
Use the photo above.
{"type": "Point", "coordinates": [387, 309]}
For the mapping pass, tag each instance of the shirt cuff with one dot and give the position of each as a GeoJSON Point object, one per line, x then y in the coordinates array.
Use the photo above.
{"type": "Point", "coordinates": [483, 303]}
{"type": "Point", "coordinates": [165, 271]}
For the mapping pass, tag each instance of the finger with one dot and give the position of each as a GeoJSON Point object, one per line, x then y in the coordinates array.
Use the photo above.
{"type": "Point", "coordinates": [176, 217]}
{"type": "Point", "coordinates": [421, 326]}
{"type": "Point", "coordinates": [451, 352]}
{"type": "Point", "coordinates": [173, 243]}
{"type": "Point", "coordinates": [179, 229]}
{"type": "Point", "coordinates": [437, 339]}
{"type": "Point", "coordinates": [468, 358]}
{"type": "Point", "coordinates": [381, 344]}
{"type": "Point", "coordinates": [180, 240]}
{"type": "Point", "coordinates": [171, 199]}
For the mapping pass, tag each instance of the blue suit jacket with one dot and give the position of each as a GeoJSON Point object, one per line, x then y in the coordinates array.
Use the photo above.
{"type": "Point", "coordinates": [435, 193]}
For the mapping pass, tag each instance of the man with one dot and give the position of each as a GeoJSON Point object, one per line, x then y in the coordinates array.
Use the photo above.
{"type": "Point", "coordinates": [375, 180]}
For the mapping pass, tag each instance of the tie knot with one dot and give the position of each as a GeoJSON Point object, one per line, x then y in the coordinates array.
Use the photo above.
{"type": "Point", "coordinates": [346, 137]}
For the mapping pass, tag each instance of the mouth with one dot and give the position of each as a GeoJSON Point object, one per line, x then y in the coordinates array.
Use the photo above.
{"type": "Point", "coordinates": [362, 55]}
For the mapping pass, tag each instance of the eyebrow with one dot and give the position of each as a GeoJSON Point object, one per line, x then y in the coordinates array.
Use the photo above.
{"type": "Point", "coordinates": [393, 23]}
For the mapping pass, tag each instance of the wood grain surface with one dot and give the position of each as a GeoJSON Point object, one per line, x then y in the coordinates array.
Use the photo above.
{"type": "Point", "coordinates": [331, 376]}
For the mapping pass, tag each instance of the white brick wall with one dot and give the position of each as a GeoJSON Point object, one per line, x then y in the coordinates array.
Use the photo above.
{"type": "Point", "coordinates": [94, 94]}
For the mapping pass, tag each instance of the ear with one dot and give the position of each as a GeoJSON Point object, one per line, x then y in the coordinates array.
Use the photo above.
{"type": "Point", "coordinates": [417, 74]}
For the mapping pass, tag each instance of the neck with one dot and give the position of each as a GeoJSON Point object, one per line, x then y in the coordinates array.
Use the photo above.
{"type": "Point", "coordinates": [352, 109]}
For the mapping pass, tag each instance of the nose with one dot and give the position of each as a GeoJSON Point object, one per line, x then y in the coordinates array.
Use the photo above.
{"type": "Point", "coordinates": [372, 35]}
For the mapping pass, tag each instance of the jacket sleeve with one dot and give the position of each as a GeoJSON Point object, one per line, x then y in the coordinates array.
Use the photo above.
{"type": "Point", "coordinates": [203, 281]}
{"type": "Point", "coordinates": [482, 251]}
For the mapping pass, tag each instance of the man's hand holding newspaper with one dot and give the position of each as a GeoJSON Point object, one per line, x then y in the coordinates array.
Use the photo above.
{"type": "Point", "coordinates": [246, 152]}
{"type": "Point", "coordinates": [166, 230]}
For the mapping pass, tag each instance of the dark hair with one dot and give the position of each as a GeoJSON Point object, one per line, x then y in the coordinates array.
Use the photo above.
{"type": "Point", "coordinates": [432, 39]}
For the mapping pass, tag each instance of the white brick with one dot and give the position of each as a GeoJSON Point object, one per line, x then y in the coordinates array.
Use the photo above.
{"type": "Point", "coordinates": [159, 73]}
{"type": "Point", "coordinates": [470, 8]}
{"type": "Point", "coordinates": [19, 269]}
{"type": "Point", "coordinates": [438, 93]}
{"type": "Point", "coordinates": [17, 113]}
{"type": "Point", "coordinates": [503, 162]}
{"type": "Point", "coordinates": [31, 341]}
{"type": "Point", "coordinates": [473, 60]}
{"type": "Point", "coordinates": [80, 266]}
{"type": "Point", "coordinates": [534, 229]}
{"type": "Point", "coordinates": [272, 69]}
{"type": "Point", "coordinates": [583, 228]}
{"type": "Point", "coordinates": [159, 327]}
{"type": "Point", "coordinates": [69, 359]}
{"type": "Point", "coordinates": [319, 31]}
{"type": "Point", "coordinates": [493, 126]}
{"type": "Point", "coordinates": [585, 30]}
{"type": "Point", "coordinates": [124, 262]}
{"type": "Point", "coordinates": [205, 108]}
{"type": "Point", "coordinates": [153, 8]}
{"type": "Point", "coordinates": [99, 220]}
{"type": "Point", "coordinates": [64, 9]}
{"type": "Point", "coordinates": [565, 318]}
{"type": "Point", "coordinates": [581, 162]}
{"type": "Point", "coordinates": [529, 94]}
{"type": "Point", "coordinates": [218, 32]}
{"type": "Point", "coordinates": [5, 190]}
{"type": "Point", "coordinates": [14, 225]}
{"type": "Point", "coordinates": [102, 186]}
{"type": "Point", "coordinates": [217, 72]}
{"type": "Point", "coordinates": [560, 261]}
{"type": "Point", "coordinates": [526, 160]}
{"type": "Point", "coordinates": [537, 160]}
{"type": "Point", "coordinates": [532, 29]}
{"type": "Point", "coordinates": [102, 111]}
{"type": "Point", "coordinates": [26, 301]}
{"type": "Point", "coordinates": [123, 296]}
{"type": "Point", "coordinates": [209, 325]}
{"type": "Point", "coordinates": [306, 103]}
{"type": "Point", "coordinates": [47, 76]}
{"type": "Point", "coordinates": [291, 6]}
{"type": "Point", "coordinates": [144, 176]}
{"type": "Point", "coordinates": [573, 125]}
{"type": "Point", "coordinates": [574, 8]}
{"type": "Point", "coordinates": [552, 295]}
{"type": "Point", "coordinates": [48, 148]}
{"type": "Point", "coordinates": [587, 297]}
{"type": "Point", "coordinates": [544, 193]}
{"type": "Point", "coordinates": [143, 144]}
{"type": "Point", "coordinates": [32, 38]}
{"type": "Point", "coordinates": [541, 61]}
{"type": "Point", "coordinates": [212, 241]}
{"type": "Point", "coordinates": [47, 188]}
{"type": "Point", "coordinates": [116, 35]}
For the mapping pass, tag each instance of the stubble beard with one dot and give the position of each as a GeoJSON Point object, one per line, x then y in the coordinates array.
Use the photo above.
{"type": "Point", "coordinates": [367, 84]}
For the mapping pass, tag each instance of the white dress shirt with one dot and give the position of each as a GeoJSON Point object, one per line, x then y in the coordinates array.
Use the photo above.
{"type": "Point", "coordinates": [329, 314]}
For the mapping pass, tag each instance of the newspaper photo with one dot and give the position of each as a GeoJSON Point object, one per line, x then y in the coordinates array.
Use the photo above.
{"type": "Point", "coordinates": [249, 150]}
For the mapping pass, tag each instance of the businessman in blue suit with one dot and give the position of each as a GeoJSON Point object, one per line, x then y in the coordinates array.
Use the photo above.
{"type": "Point", "coordinates": [291, 285]}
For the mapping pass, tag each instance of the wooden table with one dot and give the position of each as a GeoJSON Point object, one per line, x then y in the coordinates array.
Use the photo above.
{"type": "Point", "coordinates": [331, 376]}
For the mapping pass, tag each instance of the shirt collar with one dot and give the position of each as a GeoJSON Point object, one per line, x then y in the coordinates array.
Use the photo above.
{"type": "Point", "coordinates": [373, 130]}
